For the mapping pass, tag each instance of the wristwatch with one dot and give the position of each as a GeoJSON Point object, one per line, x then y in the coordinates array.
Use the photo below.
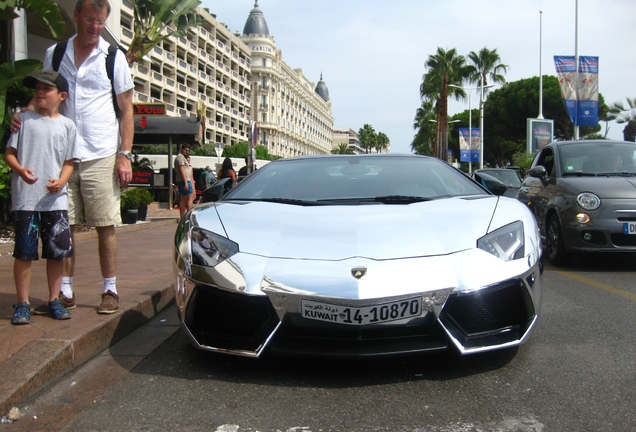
{"type": "Point", "coordinates": [127, 154]}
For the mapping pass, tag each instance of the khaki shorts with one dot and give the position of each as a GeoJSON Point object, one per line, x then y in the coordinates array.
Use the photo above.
{"type": "Point", "coordinates": [94, 193]}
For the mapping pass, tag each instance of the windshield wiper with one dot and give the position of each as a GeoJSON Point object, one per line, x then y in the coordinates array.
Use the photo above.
{"type": "Point", "coordinates": [579, 174]}
{"type": "Point", "coordinates": [616, 174]}
{"type": "Point", "coordinates": [286, 201]}
{"type": "Point", "coordinates": [401, 199]}
{"type": "Point", "coordinates": [387, 199]}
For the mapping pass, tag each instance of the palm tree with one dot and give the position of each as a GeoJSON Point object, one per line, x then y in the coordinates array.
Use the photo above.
{"type": "Point", "coordinates": [622, 114]}
{"type": "Point", "coordinates": [368, 137]}
{"type": "Point", "coordinates": [156, 20]}
{"type": "Point", "coordinates": [423, 123]}
{"type": "Point", "coordinates": [443, 68]}
{"type": "Point", "coordinates": [343, 148]}
{"type": "Point", "coordinates": [486, 64]}
{"type": "Point", "coordinates": [383, 142]}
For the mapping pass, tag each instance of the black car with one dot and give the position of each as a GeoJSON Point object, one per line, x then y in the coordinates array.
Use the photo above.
{"type": "Point", "coordinates": [583, 195]}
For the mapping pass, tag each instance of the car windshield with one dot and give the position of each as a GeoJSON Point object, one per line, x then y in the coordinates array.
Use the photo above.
{"type": "Point", "coordinates": [324, 180]}
{"type": "Point", "coordinates": [507, 176]}
{"type": "Point", "coordinates": [597, 157]}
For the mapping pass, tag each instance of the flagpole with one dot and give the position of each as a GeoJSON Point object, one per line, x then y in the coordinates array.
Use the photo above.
{"type": "Point", "coordinates": [540, 116]}
{"type": "Point", "coordinates": [576, 65]}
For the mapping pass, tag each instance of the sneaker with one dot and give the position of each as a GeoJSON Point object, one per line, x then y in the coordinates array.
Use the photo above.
{"type": "Point", "coordinates": [68, 303]}
{"type": "Point", "coordinates": [22, 313]}
{"type": "Point", "coordinates": [58, 311]}
{"type": "Point", "coordinates": [109, 303]}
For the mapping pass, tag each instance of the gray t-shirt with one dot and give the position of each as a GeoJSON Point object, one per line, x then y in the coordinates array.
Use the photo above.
{"type": "Point", "coordinates": [43, 144]}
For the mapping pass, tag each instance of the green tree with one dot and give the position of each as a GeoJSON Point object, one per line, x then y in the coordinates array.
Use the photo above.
{"type": "Point", "coordinates": [342, 148]}
{"type": "Point", "coordinates": [443, 69]}
{"type": "Point", "coordinates": [625, 114]}
{"type": "Point", "coordinates": [424, 124]}
{"type": "Point", "coordinates": [507, 109]}
{"type": "Point", "coordinates": [486, 64]}
{"type": "Point", "coordinates": [368, 137]}
{"type": "Point", "coordinates": [383, 142]}
{"type": "Point", "coordinates": [157, 20]}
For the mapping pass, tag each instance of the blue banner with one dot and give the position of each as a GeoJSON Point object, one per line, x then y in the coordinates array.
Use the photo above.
{"type": "Point", "coordinates": [469, 143]}
{"type": "Point", "coordinates": [580, 93]}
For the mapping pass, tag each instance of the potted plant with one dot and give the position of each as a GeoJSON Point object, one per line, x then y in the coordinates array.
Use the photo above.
{"type": "Point", "coordinates": [145, 197]}
{"type": "Point", "coordinates": [129, 207]}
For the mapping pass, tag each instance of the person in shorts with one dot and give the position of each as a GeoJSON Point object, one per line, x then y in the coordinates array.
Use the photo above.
{"type": "Point", "coordinates": [183, 182]}
{"type": "Point", "coordinates": [104, 144]}
{"type": "Point", "coordinates": [41, 155]}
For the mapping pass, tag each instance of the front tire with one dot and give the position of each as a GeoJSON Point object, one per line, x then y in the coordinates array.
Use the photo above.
{"type": "Point", "coordinates": [555, 247]}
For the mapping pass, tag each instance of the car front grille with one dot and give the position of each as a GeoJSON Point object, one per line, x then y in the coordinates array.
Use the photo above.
{"type": "Point", "coordinates": [495, 315]}
{"type": "Point", "coordinates": [623, 240]}
{"type": "Point", "coordinates": [229, 321]}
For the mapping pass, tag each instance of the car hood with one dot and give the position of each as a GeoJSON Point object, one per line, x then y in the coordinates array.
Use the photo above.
{"type": "Point", "coordinates": [605, 187]}
{"type": "Point", "coordinates": [372, 231]}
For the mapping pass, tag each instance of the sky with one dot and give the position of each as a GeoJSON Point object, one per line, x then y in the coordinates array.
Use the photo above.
{"type": "Point", "coordinates": [371, 53]}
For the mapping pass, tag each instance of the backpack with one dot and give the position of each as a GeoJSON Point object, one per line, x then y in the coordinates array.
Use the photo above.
{"type": "Point", "coordinates": [58, 54]}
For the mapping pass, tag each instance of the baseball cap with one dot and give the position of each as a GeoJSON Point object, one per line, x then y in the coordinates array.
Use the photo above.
{"type": "Point", "coordinates": [47, 77]}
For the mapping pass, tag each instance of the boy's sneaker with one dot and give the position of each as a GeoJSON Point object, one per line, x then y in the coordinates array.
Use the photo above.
{"type": "Point", "coordinates": [109, 303]}
{"type": "Point", "coordinates": [22, 313]}
{"type": "Point", "coordinates": [67, 302]}
{"type": "Point", "coordinates": [58, 311]}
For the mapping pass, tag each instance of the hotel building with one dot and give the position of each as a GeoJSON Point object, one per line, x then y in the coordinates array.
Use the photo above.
{"type": "Point", "coordinates": [228, 79]}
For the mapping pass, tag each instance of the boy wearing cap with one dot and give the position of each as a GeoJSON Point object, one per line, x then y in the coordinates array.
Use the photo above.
{"type": "Point", "coordinates": [41, 154]}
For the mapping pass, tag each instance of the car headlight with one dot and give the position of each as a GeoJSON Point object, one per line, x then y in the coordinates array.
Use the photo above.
{"type": "Point", "coordinates": [588, 201]}
{"type": "Point", "coordinates": [210, 249]}
{"type": "Point", "coordinates": [506, 243]}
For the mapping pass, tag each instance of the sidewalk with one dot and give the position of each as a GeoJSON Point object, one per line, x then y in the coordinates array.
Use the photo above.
{"type": "Point", "coordinates": [36, 355]}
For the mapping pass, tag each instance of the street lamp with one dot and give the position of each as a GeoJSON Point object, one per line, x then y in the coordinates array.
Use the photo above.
{"type": "Point", "coordinates": [481, 118]}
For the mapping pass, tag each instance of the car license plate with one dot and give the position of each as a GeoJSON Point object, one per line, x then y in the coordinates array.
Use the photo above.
{"type": "Point", "coordinates": [629, 228]}
{"type": "Point", "coordinates": [340, 314]}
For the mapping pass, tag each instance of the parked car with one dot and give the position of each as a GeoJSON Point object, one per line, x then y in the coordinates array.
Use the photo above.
{"type": "Point", "coordinates": [357, 256]}
{"type": "Point", "coordinates": [583, 194]}
{"type": "Point", "coordinates": [509, 177]}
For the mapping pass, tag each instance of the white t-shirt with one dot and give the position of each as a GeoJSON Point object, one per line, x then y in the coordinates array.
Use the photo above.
{"type": "Point", "coordinates": [42, 144]}
{"type": "Point", "coordinates": [90, 102]}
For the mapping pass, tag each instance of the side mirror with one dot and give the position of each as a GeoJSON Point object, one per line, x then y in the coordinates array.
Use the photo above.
{"type": "Point", "coordinates": [216, 191]}
{"type": "Point", "coordinates": [491, 183]}
{"type": "Point", "coordinates": [537, 172]}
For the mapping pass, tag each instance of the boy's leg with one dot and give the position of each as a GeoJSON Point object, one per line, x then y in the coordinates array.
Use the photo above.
{"type": "Point", "coordinates": [56, 246]}
{"type": "Point", "coordinates": [54, 276]}
{"type": "Point", "coordinates": [22, 277]}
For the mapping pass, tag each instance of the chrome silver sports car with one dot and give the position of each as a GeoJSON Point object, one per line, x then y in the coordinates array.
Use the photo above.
{"type": "Point", "coordinates": [355, 256]}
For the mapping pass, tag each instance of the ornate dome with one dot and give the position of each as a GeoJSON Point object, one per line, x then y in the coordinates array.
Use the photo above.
{"type": "Point", "coordinates": [256, 24]}
{"type": "Point", "coordinates": [322, 90]}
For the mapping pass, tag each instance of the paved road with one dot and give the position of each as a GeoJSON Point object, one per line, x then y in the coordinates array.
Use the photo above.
{"type": "Point", "coordinates": [577, 373]}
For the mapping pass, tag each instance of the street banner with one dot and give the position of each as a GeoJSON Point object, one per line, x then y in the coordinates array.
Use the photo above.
{"type": "Point", "coordinates": [587, 108]}
{"type": "Point", "coordinates": [469, 151]}
{"type": "Point", "coordinates": [580, 96]}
